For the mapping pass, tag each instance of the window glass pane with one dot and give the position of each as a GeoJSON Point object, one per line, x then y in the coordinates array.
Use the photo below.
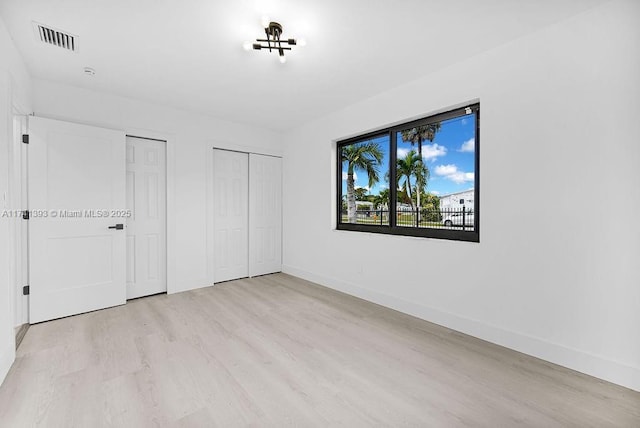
{"type": "Point", "coordinates": [436, 174]}
{"type": "Point", "coordinates": [365, 182]}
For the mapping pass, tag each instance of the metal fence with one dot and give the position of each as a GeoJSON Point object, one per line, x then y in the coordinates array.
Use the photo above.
{"type": "Point", "coordinates": [453, 218]}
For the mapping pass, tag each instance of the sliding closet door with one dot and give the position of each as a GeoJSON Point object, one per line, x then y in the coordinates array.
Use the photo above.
{"type": "Point", "coordinates": [231, 215]}
{"type": "Point", "coordinates": [265, 214]}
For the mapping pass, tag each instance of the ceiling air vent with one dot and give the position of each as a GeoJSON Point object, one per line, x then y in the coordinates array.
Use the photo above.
{"type": "Point", "coordinates": [55, 37]}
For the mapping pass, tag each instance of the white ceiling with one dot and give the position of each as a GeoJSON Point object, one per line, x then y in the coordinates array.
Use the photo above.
{"type": "Point", "coordinates": [188, 54]}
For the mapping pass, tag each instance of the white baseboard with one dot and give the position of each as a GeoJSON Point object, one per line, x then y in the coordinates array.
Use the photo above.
{"type": "Point", "coordinates": [7, 356]}
{"type": "Point", "coordinates": [574, 359]}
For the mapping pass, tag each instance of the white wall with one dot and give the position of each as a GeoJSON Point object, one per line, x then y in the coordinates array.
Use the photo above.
{"type": "Point", "coordinates": [191, 138]}
{"type": "Point", "coordinates": [559, 121]}
{"type": "Point", "coordinates": [14, 93]}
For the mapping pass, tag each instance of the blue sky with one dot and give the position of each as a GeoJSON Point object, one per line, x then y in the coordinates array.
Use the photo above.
{"type": "Point", "coordinates": [450, 158]}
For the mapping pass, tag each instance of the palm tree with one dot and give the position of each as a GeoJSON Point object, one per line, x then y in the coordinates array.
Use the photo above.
{"type": "Point", "coordinates": [361, 193]}
{"type": "Point", "coordinates": [365, 157]}
{"type": "Point", "coordinates": [382, 199]}
{"type": "Point", "coordinates": [417, 136]}
{"type": "Point", "coordinates": [412, 166]}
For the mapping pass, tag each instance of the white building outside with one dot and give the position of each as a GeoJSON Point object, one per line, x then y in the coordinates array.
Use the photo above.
{"type": "Point", "coordinates": [454, 201]}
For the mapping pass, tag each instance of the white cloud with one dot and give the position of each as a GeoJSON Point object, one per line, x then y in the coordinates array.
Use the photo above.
{"type": "Point", "coordinates": [445, 170]}
{"type": "Point", "coordinates": [432, 151]}
{"type": "Point", "coordinates": [344, 176]}
{"type": "Point", "coordinates": [468, 146]}
{"type": "Point", "coordinates": [461, 177]}
{"type": "Point", "coordinates": [429, 151]}
{"type": "Point", "coordinates": [434, 192]}
{"type": "Point", "coordinates": [452, 173]}
{"type": "Point", "coordinates": [402, 153]}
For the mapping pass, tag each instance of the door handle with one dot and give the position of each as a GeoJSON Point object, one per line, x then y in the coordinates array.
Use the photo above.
{"type": "Point", "coordinates": [118, 226]}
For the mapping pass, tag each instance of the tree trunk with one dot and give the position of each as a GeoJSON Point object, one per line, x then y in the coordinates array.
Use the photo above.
{"type": "Point", "coordinates": [351, 199]}
{"type": "Point", "coordinates": [409, 192]}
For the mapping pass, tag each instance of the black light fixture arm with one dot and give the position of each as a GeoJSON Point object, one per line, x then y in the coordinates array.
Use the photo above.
{"type": "Point", "coordinates": [258, 46]}
{"type": "Point", "coordinates": [273, 41]}
{"type": "Point", "coordinates": [291, 42]}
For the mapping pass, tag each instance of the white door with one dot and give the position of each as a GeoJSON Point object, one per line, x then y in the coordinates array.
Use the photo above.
{"type": "Point", "coordinates": [146, 227]}
{"type": "Point", "coordinates": [76, 198]}
{"type": "Point", "coordinates": [231, 215]}
{"type": "Point", "coordinates": [265, 214]}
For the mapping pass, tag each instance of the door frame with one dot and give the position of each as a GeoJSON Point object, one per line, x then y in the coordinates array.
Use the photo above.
{"type": "Point", "coordinates": [18, 228]}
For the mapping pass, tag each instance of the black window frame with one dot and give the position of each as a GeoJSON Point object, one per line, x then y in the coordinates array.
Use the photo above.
{"type": "Point", "coordinates": [392, 228]}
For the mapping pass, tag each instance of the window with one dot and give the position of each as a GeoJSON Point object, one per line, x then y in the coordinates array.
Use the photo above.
{"type": "Point", "coordinates": [433, 164]}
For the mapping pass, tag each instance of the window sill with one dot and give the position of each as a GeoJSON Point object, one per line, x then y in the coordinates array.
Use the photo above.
{"type": "Point", "coordinates": [432, 234]}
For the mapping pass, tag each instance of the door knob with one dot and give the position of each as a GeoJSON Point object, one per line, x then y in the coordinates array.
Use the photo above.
{"type": "Point", "coordinates": [118, 226]}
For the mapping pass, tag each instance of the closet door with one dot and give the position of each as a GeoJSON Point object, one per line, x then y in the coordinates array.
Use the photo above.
{"type": "Point", "coordinates": [146, 227]}
{"type": "Point", "coordinates": [231, 215]}
{"type": "Point", "coordinates": [265, 214]}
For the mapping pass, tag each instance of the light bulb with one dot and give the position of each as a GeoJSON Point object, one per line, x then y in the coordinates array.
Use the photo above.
{"type": "Point", "coordinates": [301, 42]}
{"type": "Point", "coordinates": [246, 45]}
{"type": "Point", "coordinates": [265, 21]}
{"type": "Point", "coordinates": [282, 59]}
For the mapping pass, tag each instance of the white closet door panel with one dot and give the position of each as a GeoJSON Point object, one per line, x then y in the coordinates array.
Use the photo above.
{"type": "Point", "coordinates": [146, 228]}
{"type": "Point", "coordinates": [265, 215]}
{"type": "Point", "coordinates": [230, 221]}
{"type": "Point", "coordinates": [77, 263]}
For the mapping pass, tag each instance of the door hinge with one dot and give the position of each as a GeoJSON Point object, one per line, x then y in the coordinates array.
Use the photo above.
{"type": "Point", "coordinates": [25, 138]}
{"type": "Point", "coordinates": [25, 215]}
{"type": "Point", "coordinates": [25, 290]}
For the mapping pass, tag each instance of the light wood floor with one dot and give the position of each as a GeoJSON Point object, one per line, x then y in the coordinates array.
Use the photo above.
{"type": "Point", "coordinates": [279, 351]}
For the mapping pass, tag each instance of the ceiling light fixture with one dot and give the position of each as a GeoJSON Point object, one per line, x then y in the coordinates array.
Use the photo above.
{"type": "Point", "coordinates": [273, 42]}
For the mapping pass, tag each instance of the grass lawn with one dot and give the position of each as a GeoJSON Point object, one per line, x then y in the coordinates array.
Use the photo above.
{"type": "Point", "coordinates": [404, 219]}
